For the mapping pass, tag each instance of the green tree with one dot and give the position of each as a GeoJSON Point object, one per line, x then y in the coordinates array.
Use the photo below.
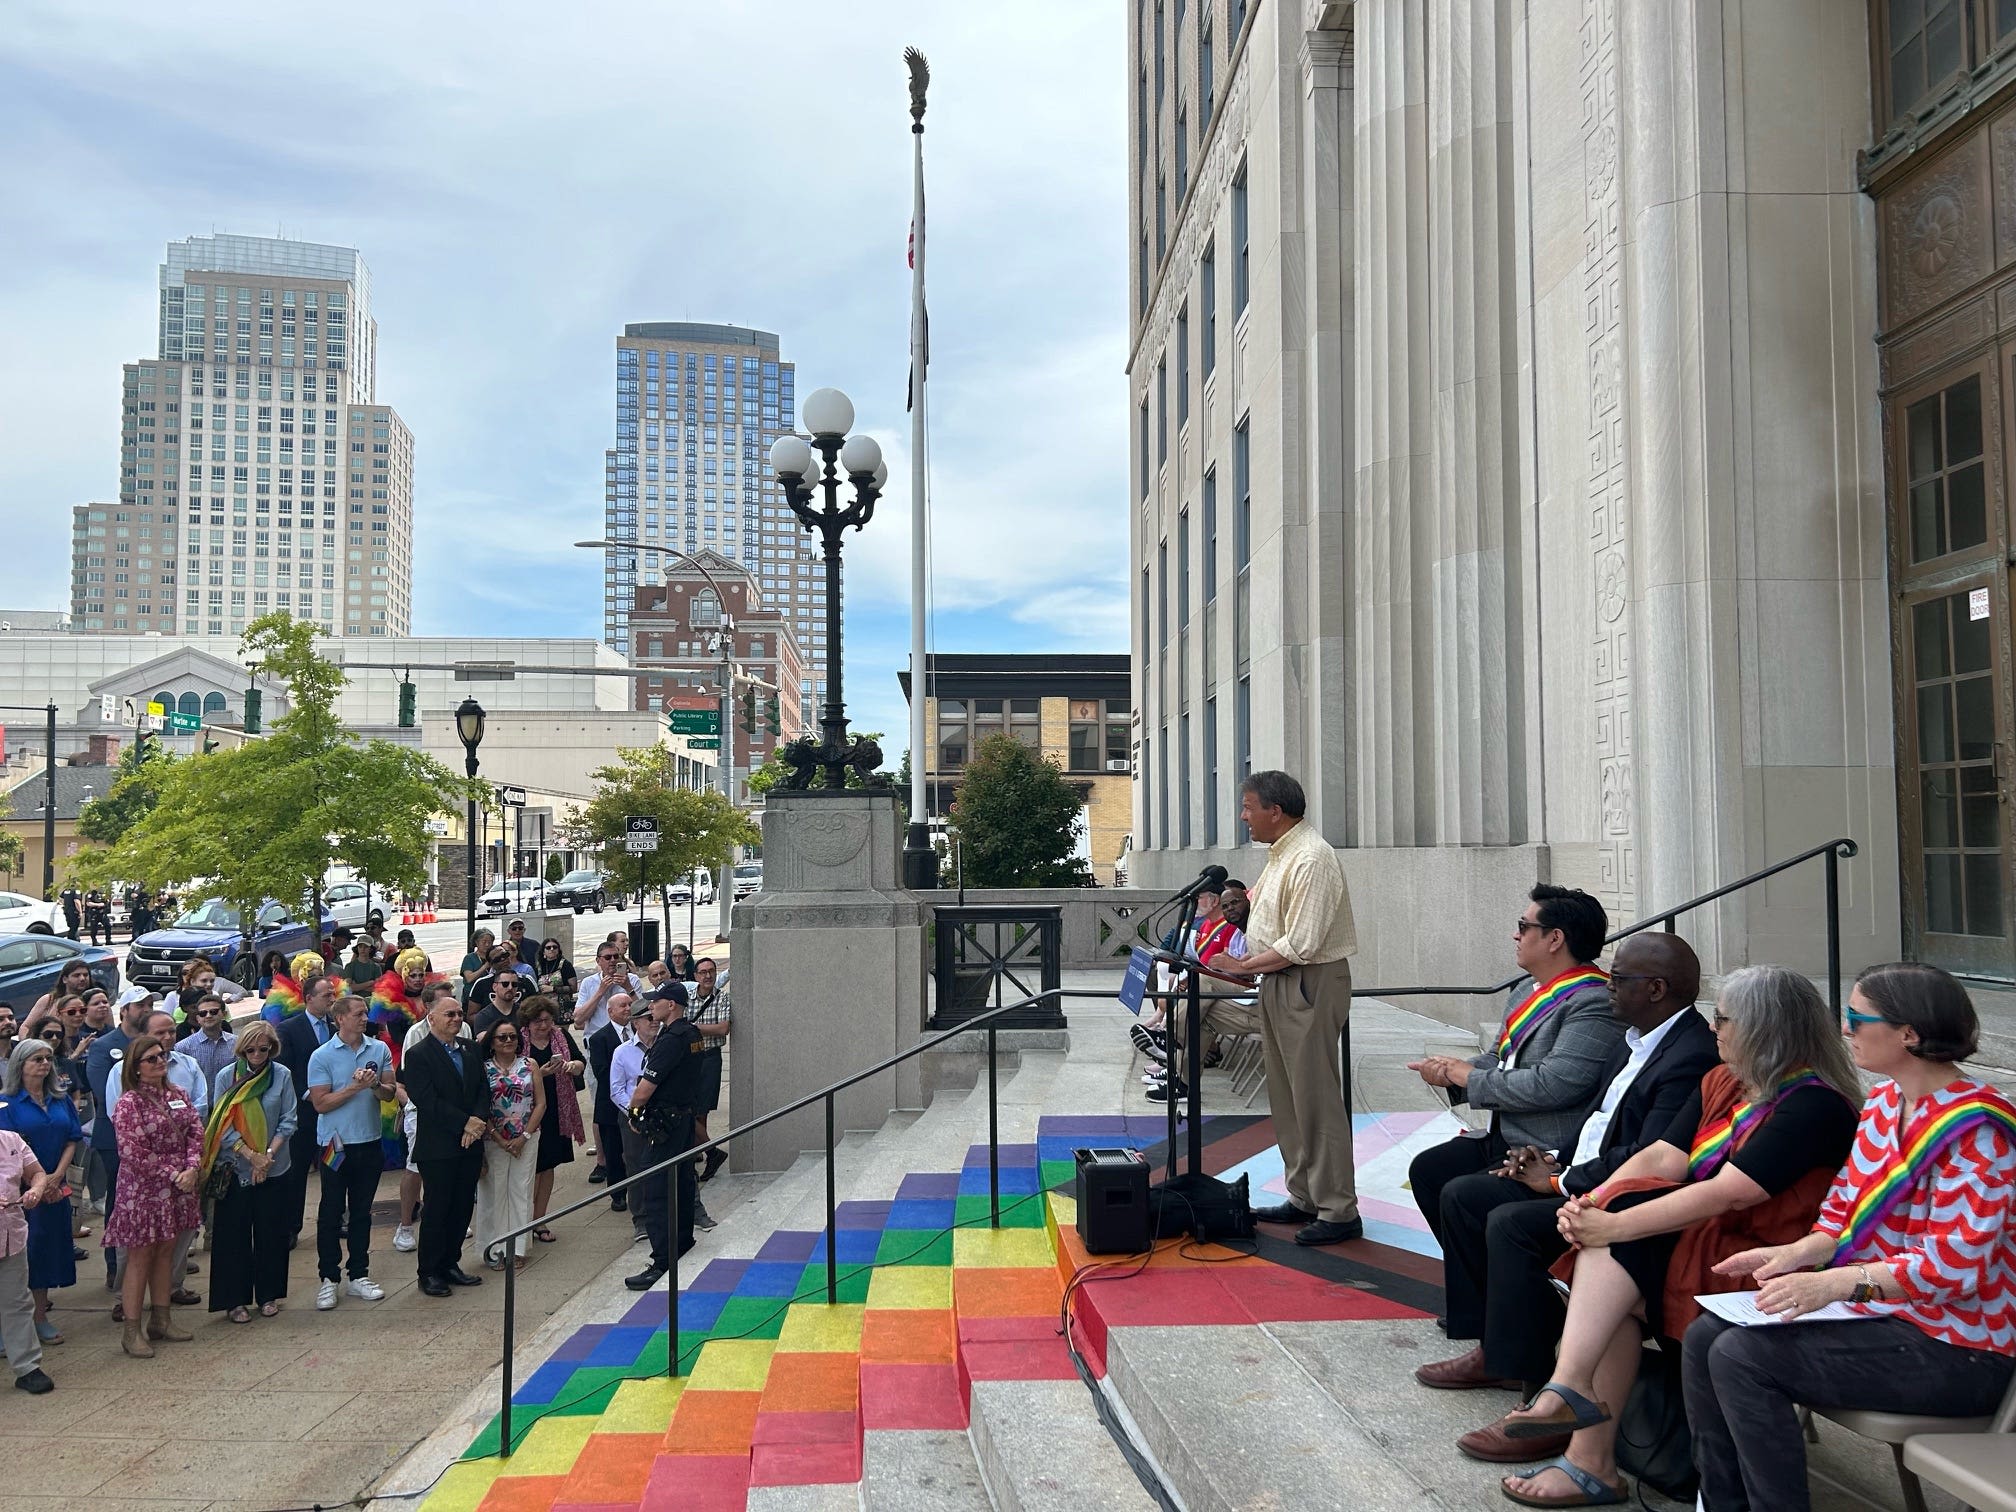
{"type": "Point", "coordinates": [694, 828]}
{"type": "Point", "coordinates": [266, 819]}
{"type": "Point", "coordinates": [554, 869]}
{"type": "Point", "coordinates": [1016, 818]}
{"type": "Point", "coordinates": [132, 796]}
{"type": "Point", "coordinates": [11, 855]}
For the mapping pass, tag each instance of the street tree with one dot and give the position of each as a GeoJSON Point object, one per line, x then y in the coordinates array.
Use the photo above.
{"type": "Point", "coordinates": [134, 792]}
{"type": "Point", "coordinates": [1017, 817]}
{"type": "Point", "coordinates": [266, 819]}
{"type": "Point", "coordinates": [12, 856]}
{"type": "Point", "coordinates": [555, 868]}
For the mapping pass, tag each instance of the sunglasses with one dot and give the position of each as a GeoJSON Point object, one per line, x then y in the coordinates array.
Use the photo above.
{"type": "Point", "coordinates": [258, 1050]}
{"type": "Point", "coordinates": [1855, 1021]}
{"type": "Point", "coordinates": [152, 1056]}
{"type": "Point", "coordinates": [1520, 926]}
{"type": "Point", "coordinates": [207, 1013]}
{"type": "Point", "coordinates": [504, 1039]}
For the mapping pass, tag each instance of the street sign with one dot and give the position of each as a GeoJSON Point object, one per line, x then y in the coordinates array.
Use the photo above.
{"type": "Point", "coordinates": [439, 827]}
{"type": "Point", "coordinates": [640, 833]}
{"type": "Point", "coordinates": [694, 721]}
{"type": "Point", "coordinates": [108, 708]}
{"type": "Point", "coordinates": [157, 709]}
{"type": "Point", "coordinates": [511, 797]}
{"type": "Point", "coordinates": [184, 722]}
{"type": "Point", "coordinates": [704, 743]}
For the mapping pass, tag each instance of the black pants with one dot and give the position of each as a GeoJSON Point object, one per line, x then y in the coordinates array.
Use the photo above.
{"type": "Point", "coordinates": [1742, 1384]}
{"type": "Point", "coordinates": [1498, 1239]}
{"type": "Point", "coordinates": [347, 1194]}
{"type": "Point", "coordinates": [111, 1159]}
{"type": "Point", "coordinates": [447, 1203]}
{"type": "Point", "coordinates": [656, 1200]}
{"type": "Point", "coordinates": [303, 1153]}
{"type": "Point", "coordinates": [609, 1144]}
{"type": "Point", "coordinates": [248, 1246]}
{"type": "Point", "coordinates": [1434, 1168]}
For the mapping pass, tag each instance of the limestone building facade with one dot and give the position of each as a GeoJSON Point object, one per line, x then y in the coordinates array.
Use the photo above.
{"type": "Point", "coordinates": [1569, 435]}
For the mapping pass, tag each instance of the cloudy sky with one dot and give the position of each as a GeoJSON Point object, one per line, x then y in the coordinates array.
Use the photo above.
{"type": "Point", "coordinates": [522, 180]}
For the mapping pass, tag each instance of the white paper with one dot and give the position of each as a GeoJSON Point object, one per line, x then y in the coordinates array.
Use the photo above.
{"type": "Point", "coordinates": [1740, 1308]}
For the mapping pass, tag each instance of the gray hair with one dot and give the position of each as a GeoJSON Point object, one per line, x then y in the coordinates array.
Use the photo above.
{"type": "Point", "coordinates": [1783, 1025]}
{"type": "Point", "coordinates": [24, 1052]}
{"type": "Point", "coordinates": [1277, 790]}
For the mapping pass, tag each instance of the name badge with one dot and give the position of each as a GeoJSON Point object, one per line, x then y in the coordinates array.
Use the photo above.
{"type": "Point", "coordinates": [176, 1102]}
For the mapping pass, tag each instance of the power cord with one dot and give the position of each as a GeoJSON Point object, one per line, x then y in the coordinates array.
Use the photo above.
{"type": "Point", "coordinates": [846, 1273]}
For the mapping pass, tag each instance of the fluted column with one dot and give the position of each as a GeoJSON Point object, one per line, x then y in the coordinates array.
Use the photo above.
{"type": "Point", "coordinates": [1395, 651]}
{"type": "Point", "coordinates": [1474, 479]}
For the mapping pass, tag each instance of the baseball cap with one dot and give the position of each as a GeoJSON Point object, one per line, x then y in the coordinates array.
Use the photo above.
{"type": "Point", "coordinates": [671, 992]}
{"type": "Point", "coordinates": [134, 995]}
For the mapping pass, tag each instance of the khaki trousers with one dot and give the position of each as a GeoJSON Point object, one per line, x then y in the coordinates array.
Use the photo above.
{"type": "Point", "coordinates": [1302, 1013]}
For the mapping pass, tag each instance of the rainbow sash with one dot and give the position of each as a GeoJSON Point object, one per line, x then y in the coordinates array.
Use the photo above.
{"type": "Point", "coordinates": [1715, 1139]}
{"type": "Point", "coordinates": [283, 999]}
{"type": "Point", "coordinates": [1529, 1015]}
{"type": "Point", "coordinates": [1907, 1167]}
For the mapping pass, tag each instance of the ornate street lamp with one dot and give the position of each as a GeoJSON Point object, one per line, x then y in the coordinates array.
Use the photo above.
{"type": "Point", "coordinates": [808, 470]}
{"type": "Point", "coordinates": [469, 725]}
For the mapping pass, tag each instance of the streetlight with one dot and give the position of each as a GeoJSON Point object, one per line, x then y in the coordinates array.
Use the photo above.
{"type": "Point", "coordinates": [469, 725]}
{"type": "Point", "coordinates": [806, 469]}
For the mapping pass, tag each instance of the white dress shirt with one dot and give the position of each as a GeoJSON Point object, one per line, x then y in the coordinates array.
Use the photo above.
{"type": "Point", "coordinates": [1590, 1144]}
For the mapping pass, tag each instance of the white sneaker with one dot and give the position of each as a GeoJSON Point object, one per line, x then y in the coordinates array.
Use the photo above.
{"type": "Point", "coordinates": [365, 1288]}
{"type": "Point", "coordinates": [325, 1296]}
{"type": "Point", "coordinates": [404, 1239]}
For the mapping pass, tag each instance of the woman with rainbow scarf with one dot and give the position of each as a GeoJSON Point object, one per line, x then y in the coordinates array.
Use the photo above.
{"type": "Point", "coordinates": [1916, 1236]}
{"type": "Point", "coordinates": [1744, 1163]}
{"type": "Point", "coordinates": [252, 1119]}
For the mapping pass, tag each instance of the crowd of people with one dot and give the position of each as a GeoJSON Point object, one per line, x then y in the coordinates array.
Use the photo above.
{"type": "Point", "coordinates": [88, 913]}
{"type": "Point", "coordinates": [210, 1110]}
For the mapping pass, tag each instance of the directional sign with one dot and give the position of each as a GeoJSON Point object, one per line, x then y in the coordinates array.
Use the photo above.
{"type": "Point", "coordinates": [511, 797]}
{"type": "Point", "coordinates": [694, 721]}
{"type": "Point", "coordinates": [184, 722]}
{"type": "Point", "coordinates": [704, 743]}
{"type": "Point", "coordinates": [640, 833]}
{"type": "Point", "coordinates": [108, 707]}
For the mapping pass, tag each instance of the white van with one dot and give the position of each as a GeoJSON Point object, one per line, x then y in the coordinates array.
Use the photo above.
{"type": "Point", "coordinates": [698, 888]}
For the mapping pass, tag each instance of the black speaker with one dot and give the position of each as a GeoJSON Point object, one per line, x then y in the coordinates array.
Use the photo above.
{"type": "Point", "coordinates": [1112, 1201]}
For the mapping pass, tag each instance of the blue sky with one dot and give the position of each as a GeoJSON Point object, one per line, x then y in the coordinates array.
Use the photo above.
{"type": "Point", "coordinates": [523, 185]}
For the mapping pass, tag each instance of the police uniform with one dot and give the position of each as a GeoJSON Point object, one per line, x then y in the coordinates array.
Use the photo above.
{"type": "Point", "coordinates": [678, 1073]}
{"type": "Point", "coordinates": [72, 910]}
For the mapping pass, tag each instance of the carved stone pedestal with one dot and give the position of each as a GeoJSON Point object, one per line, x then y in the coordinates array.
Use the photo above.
{"type": "Point", "coordinates": [829, 966]}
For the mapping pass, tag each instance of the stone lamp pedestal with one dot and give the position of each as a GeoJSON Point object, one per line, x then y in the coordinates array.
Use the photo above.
{"type": "Point", "coordinates": [828, 971]}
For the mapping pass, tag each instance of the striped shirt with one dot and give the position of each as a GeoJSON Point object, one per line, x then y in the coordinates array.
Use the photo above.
{"type": "Point", "coordinates": [1300, 907]}
{"type": "Point", "coordinates": [1951, 1243]}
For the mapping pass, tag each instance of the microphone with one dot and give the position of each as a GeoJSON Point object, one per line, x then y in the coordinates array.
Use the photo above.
{"type": "Point", "coordinates": [1211, 880]}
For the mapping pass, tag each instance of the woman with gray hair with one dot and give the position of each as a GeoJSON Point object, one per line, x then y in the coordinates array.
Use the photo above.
{"type": "Point", "coordinates": [1746, 1162]}
{"type": "Point", "coordinates": [33, 1107]}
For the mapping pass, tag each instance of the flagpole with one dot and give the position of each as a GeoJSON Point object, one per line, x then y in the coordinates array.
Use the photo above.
{"type": "Point", "coordinates": [920, 861]}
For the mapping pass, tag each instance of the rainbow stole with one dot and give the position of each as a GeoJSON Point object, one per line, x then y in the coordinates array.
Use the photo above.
{"type": "Point", "coordinates": [283, 999]}
{"type": "Point", "coordinates": [389, 998]}
{"type": "Point", "coordinates": [1909, 1166]}
{"type": "Point", "coordinates": [1528, 1016]}
{"type": "Point", "coordinates": [1715, 1139]}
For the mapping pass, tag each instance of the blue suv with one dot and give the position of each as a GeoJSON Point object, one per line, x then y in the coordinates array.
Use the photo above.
{"type": "Point", "coordinates": [213, 928]}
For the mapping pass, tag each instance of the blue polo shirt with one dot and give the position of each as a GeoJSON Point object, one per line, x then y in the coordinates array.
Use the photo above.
{"type": "Point", "coordinates": [332, 1068]}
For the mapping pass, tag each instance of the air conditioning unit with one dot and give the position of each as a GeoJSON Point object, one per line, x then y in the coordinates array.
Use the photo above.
{"type": "Point", "coordinates": [1120, 766]}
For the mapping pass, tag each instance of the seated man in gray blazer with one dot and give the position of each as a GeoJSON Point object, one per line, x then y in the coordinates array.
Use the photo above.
{"type": "Point", "coordinates": [1545, 1069]}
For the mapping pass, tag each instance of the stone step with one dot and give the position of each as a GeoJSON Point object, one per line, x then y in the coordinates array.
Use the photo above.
{"type": "Point", "coordinates": [1042, 1448]}
{"type": "Point", "coordinates": [920, 1470]}
{"type": "Point", "coordinates": [837, 1497]}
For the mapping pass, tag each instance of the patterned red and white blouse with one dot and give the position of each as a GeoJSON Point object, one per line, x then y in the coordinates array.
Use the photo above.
{"type": "Point", "coordinates": [1951, 1243]}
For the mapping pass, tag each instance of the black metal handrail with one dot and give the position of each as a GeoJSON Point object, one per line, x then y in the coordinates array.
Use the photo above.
{"type": "Point", "coordinates": [670, 1169]}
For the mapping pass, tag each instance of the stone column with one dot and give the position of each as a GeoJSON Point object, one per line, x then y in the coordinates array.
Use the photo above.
{"type": "Point", "coordinates": [1476, 622]}
{"type": "Point", "coordinates": [1394, 437]}
{"type": "Point", "coordinates": [1327, 379]}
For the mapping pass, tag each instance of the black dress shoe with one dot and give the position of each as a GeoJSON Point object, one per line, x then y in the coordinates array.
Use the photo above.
{"type": "Point", "coordinates": [714, 1161]}
{"type": "Point", "coordinates": [456, 1276]}
{"type": "Point", "coordinates": [434, 1286]}
{"type": "Point", "coordinates": [1324, 1231]}
{"type": "Point", "coordinates": [645, 1279]}
{"type": "Point", "coordinates": [620, 1203]}
{"type": "Point", "coordinates": [34, 1382]}
{"type": "Point", "coordinates": [597, 1176]}
{"type": "Point", "coordinates": [1285, 1212]}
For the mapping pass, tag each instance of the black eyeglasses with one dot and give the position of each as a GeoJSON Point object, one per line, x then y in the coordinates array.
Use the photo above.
{"type": "Point", "coordinates": [1635, 976]}
{"type": "Point", "coordinates": [503, 1039]}
{"type": "Point", "coordinates": [1520, 926]}
{"type": "Point", "coordinates": [258, 1050]}
{"type": "Point", "coordinates": [152, 1056]}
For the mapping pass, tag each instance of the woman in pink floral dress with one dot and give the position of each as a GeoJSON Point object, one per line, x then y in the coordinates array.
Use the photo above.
{"type": "Point", "coordinates": [160, 1153]}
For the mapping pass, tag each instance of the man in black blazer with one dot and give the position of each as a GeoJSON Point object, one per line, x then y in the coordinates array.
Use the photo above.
{"type": "Point", "coordinates": [301, 1035]}
{"type": "Point", "coordinates": [1499, 1233]}
{"type": "Point", "coordinates": [445, 1082]}
{"type": "Point", "coordinates": [602, 1046]}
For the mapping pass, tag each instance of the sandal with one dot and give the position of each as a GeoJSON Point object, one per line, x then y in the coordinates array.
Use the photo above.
{"type": "Point", "coordinates": [544, 1235]}
{"type": "Point", "coordinates": [1591, 1491]}
{"type": "Point", "coordinates": [47, 1332]}
{"type": "Point", "coordinates": [240, 1315]}
{"type": "Point", "coordinates": [269, 1309]}
{"type": "Point", "coordinates": [1582, 1413]}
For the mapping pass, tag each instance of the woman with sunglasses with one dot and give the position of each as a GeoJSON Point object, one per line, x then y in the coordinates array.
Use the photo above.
{"type": "Point", "coordinates": [253, 1113]}
{"type": "Point", "coordinates": [510, 1142]}
{"type": "Point", "coordinates": [1917, 1237]}
{"type": "Point", "coordinates": [73, 981]}
{"type": "Point", "coordinates": [32, 1106]}
{"type": "Point", "coordinates": [1745, 1162]}
{"type": "Point", "coordinates": [555, 972]}
{"type": "Point", "coordinates": [160, 1159]}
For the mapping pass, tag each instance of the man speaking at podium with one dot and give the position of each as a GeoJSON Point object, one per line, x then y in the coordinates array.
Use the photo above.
{"type": "Point", "coordinates": [1299, 939]}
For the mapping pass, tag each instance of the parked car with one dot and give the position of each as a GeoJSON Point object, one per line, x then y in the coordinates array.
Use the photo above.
{"type": "Point", "coordinates": [21, 914]}
{"type": "Point", "coordinates": [213, 928]}
{"type": "Point", "coordinates": [698, 888]}
{"type": "Point", "coordinates": [513, 895]}
{"type": "Point", "coordinates": [579, 890]}
{"type": "Point", "coordinates": [748, 879]}
{"type": "Point", "coordinates": [30, 965]}
{"type": "Point", "coordinates": [351, 904]}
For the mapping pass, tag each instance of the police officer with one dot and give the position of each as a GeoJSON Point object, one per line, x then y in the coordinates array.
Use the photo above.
{"type": "Point", "coordinates": [97, 917]}
{"type": "Point", "coordinates": [72, 909]}
{"type": "Point", "coordinates": [139, 911]}
{"type": "Point", "coordinates": [663, 1109]}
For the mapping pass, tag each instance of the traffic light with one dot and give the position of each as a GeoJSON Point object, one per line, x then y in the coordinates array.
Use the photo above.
{"type": "Point", "coordinates": [773, 716]}
{"type": "Point", "coordinates": [252, 701]}
{"type": "Point", "coordinates": [408, 697]}
{"type": "Point", "coordinates": [749, 711]}
{"type": "Point", "coordinates": [144, 746]}
{"type": "Point", "coordinates": [209, 743]}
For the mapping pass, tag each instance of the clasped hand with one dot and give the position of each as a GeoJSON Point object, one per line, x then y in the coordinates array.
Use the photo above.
{"type": "Point", "coordinates": [1785, 1291]}
{"type": "Point", "coordinates": [1586, 1225]}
